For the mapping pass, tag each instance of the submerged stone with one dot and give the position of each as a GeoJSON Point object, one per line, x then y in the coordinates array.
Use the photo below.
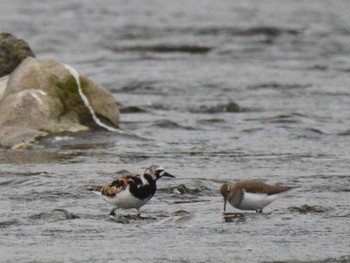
{"type": "Point", "coordinates": [305, 209]}
{"type": "Point", "coordinates": [56, 214]}
{"type": "Point", "coordinates": [230, 107]}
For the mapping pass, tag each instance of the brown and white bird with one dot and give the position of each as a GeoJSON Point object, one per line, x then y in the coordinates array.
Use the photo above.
{"type": "Point", "coordinates": [251, 195]}
{"type": "Point", "coordinates": [131, 191]}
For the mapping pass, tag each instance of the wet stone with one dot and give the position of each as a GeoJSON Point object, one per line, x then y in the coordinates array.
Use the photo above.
{"type": "Point", "coordinates": [181, 189]}
{"type": "Point", "coordinates": [305, 209]}
{"type": "Point", "coordinates": [131, 109]}
{"type": "Point", "coordinates": [181, 213]}
{"type": "Point", "coordinates": [56, 214]}
{"type": "Point", "coordinates": [7, 223]}
{"type": "Point", "coordinates": [127, 219]}
{"type": "Point", "coordinates": [230, 107]}
{"type": "Point", "coordinates": [42, 97]}
{"type": "Point", "coordinates": [12, 52]}
{"type": "Point", "coordinates": [233, 217]}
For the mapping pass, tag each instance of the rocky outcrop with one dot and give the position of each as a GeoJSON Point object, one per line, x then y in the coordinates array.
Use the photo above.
{"type": "Point", "coordinates": [12, 52]}
{"type": "Point", "coordinates": [41, 97]}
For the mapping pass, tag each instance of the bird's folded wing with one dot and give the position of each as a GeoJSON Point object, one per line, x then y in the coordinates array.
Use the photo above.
{"type": "Point", "coordinates": [114, 187]}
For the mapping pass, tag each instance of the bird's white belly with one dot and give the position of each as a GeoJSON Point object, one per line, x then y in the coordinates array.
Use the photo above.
{"type": "Point", "coordinates": [125, 200]}
{"type": "Point", "coordinates": [252, 201]}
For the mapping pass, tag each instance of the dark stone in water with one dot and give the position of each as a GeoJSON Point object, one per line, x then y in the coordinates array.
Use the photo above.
{"type": "Point", "coordinates": [131, 109]}
{"type": "Point", "coordinates": [56, 214]}
{"type": "Point", "coordinates": [165, 48]}
{"type": "Point", "coordinates": [119, 219]}
{"type": "Point", "coordinates": [248, 32]}
{"type": "Point", "coordinates": [181, 189]}
{"type": "Point", "coordinates": [305, 209]}
{"type": "Point", "coordinates": [229, 107]}
{"type": "Point", "coordinates": [126, 219]}
{"type": "Point", "coordinates": [268, 31]}
{"type": "Point", "coordinates": [137, 87]}
{"type": "Point", "coordinates": [181, 213]}
{"type": "Point", "coordinates": [167, 124]}
{"type": "Point", "coordinates": [209, 121]}
{"type": "Point", "coordinates": [8, 223]}
{"type": "Point", "coordinates": [234, 217]}
{"type": "Point", "coordinates": [12, 52]}
{"type": "Point", "coordinates": [278, 86]}
{"type": "Point", "coordinates": [232, 107]}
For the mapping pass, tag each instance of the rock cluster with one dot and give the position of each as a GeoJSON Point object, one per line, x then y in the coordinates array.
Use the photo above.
{"type": "Point", "coordinates": [41, 97]}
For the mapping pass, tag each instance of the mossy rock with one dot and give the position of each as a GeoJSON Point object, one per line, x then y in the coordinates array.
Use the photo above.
{"type": "Point", "coordinates": [42, 98]}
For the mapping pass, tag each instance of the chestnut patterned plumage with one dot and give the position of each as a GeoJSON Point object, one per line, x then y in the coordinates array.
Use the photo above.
{"type": "Point", "coordinates": [131, 191]}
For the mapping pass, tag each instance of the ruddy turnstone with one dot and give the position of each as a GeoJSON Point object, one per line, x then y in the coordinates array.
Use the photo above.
{"type": "Point", "coordinates": [131, 191]}
{"type": "Point", "coordinates": [251, 195]}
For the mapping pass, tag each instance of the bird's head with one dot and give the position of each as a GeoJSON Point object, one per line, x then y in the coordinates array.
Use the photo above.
{"type": "Point", "coordinates": [156, 171]}
{"type": "Point", "coordinates": [226, 193]}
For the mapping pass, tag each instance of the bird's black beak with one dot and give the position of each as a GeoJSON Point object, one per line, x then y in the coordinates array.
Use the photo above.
{"type": "Point", "coordinates": [168, 175]}
{"type": "Point", "coordinates": [225, 201]}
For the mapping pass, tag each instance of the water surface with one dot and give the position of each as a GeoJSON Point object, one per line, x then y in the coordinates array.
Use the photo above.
{"type": "Point", "coordinates": [179, 70]}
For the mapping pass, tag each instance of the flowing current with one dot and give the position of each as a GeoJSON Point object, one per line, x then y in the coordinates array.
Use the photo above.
{"type": "Point", "coordinates": [214, 91]}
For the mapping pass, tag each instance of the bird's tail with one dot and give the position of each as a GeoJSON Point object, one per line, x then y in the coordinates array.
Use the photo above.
{"type": "Point", "coordinates": [95, 189]}
{"type": "Point", "coordinates": [282, 188]}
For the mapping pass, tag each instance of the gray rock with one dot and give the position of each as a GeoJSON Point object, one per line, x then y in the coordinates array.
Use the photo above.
{"type": "Point", "coordinates": [42, 98]}
{"type": "Point", "coordinates": [12, 52]}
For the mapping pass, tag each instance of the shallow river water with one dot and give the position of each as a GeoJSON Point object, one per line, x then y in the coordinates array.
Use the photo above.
{"type": "Point", "coordinates": [214, 91]}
